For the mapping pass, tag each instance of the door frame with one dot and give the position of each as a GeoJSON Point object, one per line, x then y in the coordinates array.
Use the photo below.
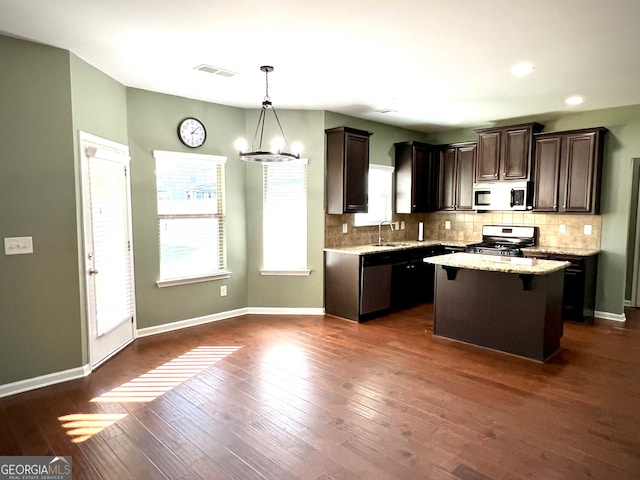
{"type": "Point", "coordinates": [83, 172]}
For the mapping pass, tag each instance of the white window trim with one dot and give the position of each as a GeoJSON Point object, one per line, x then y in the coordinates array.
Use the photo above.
{"type": "Point", "coordinates": [219, 159]}
{"type": "Point", "coordinates": [382, 168]}
{"type": "Point", "coordinates": [302, 272]}
{"type": "Point", "coordinates": [184, 281]}
{"type": "Point", "coordinates": [164, 155]}
{"type": "Point", "coordinates": [305, 272]}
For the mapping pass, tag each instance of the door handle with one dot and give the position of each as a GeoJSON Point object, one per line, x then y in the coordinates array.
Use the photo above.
{"type": "Point", "coordinates": [93, 271]}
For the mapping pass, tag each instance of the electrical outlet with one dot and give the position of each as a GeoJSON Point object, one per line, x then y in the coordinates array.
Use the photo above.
{"type": "Point", "coordinates": [345, 227]}
{"type": "Point", "coordinates": [563, 228]}
{"type": "Point", "coordinates": [18, 245]}
{"type": "Point", "coordinates": [396, 225]}
{"type": "Point", "coordinates": [588, 229]}
{"type": "Point", "coordinates": [402, 225]}
{"type": "Point", "coordinates": [223, 290]}
{"type": "Point", "coordinates": [447, 225]}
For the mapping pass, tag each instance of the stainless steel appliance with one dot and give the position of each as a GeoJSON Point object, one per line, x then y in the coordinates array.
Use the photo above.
{"type": "Point", "coordinates": [502, 196]}
{"type": "Point", "coordinates": [507, 240]}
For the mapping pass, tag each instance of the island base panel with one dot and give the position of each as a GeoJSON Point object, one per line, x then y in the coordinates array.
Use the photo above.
{"type": "Point", "coordinates": [491, 309]}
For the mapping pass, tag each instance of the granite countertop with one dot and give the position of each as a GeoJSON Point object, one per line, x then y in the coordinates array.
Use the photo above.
{"type": "Point", "coordinates": [405, 245]}
{"type": "Point", "coordinates": [391, 246]}
{"type": "Point", "coordinates": [579, 252]}
{"type": "Point", "coordinates": [495, 263]}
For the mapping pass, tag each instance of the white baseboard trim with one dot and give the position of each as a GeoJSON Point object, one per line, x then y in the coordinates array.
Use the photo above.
{"type": "Point", "coordinates": [285, 311]}
{"type": "Point", "coordinates": [617, 317]}
{"type": "Point", "coordinates": [80, 372]}
{"type": "Point", "coordinates": [44, 380]}
{"type": "Point", "coordinates": [192, 322]}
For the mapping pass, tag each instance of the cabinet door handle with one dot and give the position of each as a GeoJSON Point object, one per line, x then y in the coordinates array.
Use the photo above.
{"type": "Point", "coordinates": [495, 175]}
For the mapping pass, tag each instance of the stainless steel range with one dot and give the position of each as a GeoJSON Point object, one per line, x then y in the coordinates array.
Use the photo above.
{"type": "Point", "coordinates": [507, 240]}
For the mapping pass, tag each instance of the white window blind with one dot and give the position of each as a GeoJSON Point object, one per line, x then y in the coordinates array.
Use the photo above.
{"type": "Point", "coordinates": [285, 216]}
{"type": "Point", "coordinates": [113, 285]}
{"type": "Point", "coordinates": [190, 193]}
{"type": "Point", "coordinates": [380, 197]}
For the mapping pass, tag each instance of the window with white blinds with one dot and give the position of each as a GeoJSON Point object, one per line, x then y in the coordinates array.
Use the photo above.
{"type": "Point", "coordinates": [191, 216]}
{"type": "Point", "coordinates": [380, 197]}
{"type": "Point", "coordinates": [284, 226]}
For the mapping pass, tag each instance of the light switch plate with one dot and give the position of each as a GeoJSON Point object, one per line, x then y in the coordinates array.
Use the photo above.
{"type": "Point", "coordinates": [588, 229]}
{"type": "Point", "coordinates": [447, 225]}
{"type": "Point", "coordinates": [345, 227]}
{"type": "Point", "coordinates": [18, 245]}
{"type": "Point", "coordinates": [563, 228]}
{"type": "Point", "coordinates": [396, 226]}
{"type": "Point", "coordinates": [402, 225]}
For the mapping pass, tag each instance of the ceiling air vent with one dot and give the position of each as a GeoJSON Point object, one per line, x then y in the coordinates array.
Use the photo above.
{"type": "Point", "coordinates": [215, 71]}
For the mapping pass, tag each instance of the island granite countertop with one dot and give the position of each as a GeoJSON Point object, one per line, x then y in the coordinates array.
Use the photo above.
{"type": "Point", "coordinates": [495, 263]}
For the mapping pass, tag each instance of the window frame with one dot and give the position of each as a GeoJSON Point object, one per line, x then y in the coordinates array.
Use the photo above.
{"type": "Point", "coordinates": [365, 219]}
{"type": "Point", "coordinates": [221, 247]}
{"type": "Point", "coordinates": [303, 270]}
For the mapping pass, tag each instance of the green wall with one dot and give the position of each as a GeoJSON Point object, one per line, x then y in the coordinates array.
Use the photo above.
{"type": "Point", "coordinates": [153, 120]}
{"type": "Point", "coordinates": [381, 150]}
{"type": "Point", "coordinates": [39, 293]}
{"type": "Point", "coordinates": [48, 95]}
{"type": "Point", "coordinates": [99, 107]}
{"type": "Point", "coordinates": [288, 291]}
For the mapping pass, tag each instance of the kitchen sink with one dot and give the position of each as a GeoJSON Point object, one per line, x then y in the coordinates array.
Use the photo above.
{"type": "Point", "coordinates": [395, 244]}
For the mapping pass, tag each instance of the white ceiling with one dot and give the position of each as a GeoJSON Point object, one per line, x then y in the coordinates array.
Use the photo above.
{"type": "Point", "coordinates": [438, 64]}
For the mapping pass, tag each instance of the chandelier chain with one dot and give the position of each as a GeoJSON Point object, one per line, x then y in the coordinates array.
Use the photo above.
{"type": "Point", "coordinates": [266, 86]}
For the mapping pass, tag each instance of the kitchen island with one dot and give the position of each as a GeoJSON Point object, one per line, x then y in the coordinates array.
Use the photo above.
{"type": "Point", "coordinates": [510, 304]}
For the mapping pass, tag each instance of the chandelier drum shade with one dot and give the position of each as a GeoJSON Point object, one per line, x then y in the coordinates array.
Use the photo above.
{"type": "Point", "coordinates": [280, 151]}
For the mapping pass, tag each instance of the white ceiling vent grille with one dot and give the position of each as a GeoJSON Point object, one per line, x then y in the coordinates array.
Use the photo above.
{"type": "Point", "coordinates": [215, 71]}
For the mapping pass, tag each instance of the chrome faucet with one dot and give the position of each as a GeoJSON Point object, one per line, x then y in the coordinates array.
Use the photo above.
{"type": "Point", "coordinates": [380, 230]}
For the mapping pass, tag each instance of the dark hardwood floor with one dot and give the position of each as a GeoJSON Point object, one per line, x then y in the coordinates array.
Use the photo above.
{"type": "Point", "coordinates": [284, 397]}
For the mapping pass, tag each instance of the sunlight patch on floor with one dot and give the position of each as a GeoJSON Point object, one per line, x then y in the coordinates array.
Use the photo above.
{"type": "Point", "coordinates": [145, 388]}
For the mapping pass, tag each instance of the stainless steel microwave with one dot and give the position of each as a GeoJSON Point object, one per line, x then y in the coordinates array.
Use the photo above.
{"type": "Point", "coordinates": [502, 196]}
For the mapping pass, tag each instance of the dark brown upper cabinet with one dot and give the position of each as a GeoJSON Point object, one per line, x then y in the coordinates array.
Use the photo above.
{"type": "Point", "coordinates": [347, 170]}
{"type": "Point", "coordinates": [457, 166]}
{"type": "Point", "coordinates": [416, 172]}
{"type": "Point", "coordinates": [504, 153]}
{"type": "Point", "coordinates": [567, 171]}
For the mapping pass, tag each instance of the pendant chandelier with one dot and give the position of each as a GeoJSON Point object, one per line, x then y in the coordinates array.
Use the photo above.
{"type": "Point", "coordinates": [280, 151]}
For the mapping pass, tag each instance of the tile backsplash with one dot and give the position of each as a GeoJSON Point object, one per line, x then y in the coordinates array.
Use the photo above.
{"type": "Point", "coordinates": [555, 230]}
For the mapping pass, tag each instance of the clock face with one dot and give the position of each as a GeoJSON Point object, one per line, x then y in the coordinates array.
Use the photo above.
{"type": "Point", "coordinates": [191, 132]}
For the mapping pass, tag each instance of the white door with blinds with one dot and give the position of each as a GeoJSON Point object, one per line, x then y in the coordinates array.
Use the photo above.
{"type": "Point", "coordinates": [108, 249]}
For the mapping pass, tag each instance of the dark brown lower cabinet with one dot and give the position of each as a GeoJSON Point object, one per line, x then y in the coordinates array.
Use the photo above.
{"type": "Point", "coordinates": [578, 302]}
{"type": "Point", "coordinates": [361, 287]}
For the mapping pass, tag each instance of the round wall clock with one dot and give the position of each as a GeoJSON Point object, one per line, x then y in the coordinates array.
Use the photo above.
{"type": "Point", "coordinates": [191, 132]}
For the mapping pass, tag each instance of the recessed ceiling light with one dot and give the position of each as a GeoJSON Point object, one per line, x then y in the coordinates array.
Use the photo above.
{"type": "Point", "coordinates": [522, 69]}
{"type": "Point", "coordinates": [575, 100]}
